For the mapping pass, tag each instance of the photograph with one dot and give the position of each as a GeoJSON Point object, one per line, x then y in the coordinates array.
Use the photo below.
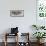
{"type": "Point", "coordinates": [17, 13]}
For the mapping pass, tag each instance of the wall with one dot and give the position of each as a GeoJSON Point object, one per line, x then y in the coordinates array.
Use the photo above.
{"type": "Point", "coordinates": [24, 23]}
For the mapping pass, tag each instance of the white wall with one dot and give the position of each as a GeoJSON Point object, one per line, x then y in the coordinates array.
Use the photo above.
{"type": "Point", "coordinates": [24, 23]}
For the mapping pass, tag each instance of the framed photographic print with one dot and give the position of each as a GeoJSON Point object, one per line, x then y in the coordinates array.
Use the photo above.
{"type": "Point", "coordinates": [17, 13]}
{"type": "Point", "coordinates": [41, 8]}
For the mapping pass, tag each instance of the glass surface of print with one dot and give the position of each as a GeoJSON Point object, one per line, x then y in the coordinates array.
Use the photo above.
{"type": "Point", "coordinates": [41, 8]}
